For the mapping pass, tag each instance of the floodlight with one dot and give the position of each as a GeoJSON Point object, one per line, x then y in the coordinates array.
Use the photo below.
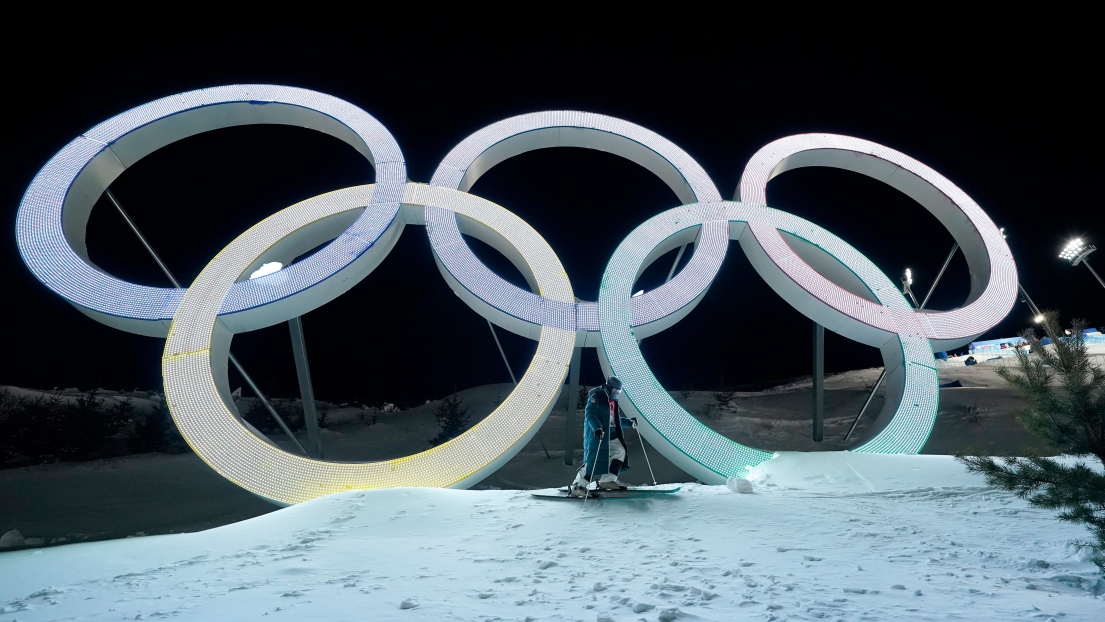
{"type": "Point", "coordinates": [1076, 253]}
{"type": "Point", "coordinates": [1039, 318]}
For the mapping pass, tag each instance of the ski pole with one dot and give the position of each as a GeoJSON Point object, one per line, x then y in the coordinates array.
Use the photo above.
{"type": "Point", "coordinates": [593, 467]}
{"type": "Point", "coordinates": [642, 439]}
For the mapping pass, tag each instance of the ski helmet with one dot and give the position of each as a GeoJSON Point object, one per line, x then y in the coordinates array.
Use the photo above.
{"type": "Point", "coordinates": [614, 383]}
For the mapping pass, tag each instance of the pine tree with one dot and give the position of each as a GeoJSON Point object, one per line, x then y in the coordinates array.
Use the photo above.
{"type": "Point", "coordinates": [1066, 407]}
{"type": "Point", "coordinates": [451, 419]}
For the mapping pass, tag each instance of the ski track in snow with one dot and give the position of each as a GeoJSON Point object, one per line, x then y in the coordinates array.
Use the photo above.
{"type": "Point", "coordinates": [705, 553]}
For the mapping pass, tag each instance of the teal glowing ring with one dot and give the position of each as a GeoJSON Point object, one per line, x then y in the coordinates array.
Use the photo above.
{"type": "Point", "coordinates": [684, 440]}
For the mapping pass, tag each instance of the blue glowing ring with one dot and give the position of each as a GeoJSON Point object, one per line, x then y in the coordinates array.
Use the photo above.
{"type": "Point", "coordinates": [50, 225]}
{"type": "Point", "coordinates": [912, 386]}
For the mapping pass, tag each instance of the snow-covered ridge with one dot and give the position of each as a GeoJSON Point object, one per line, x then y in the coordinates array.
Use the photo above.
{"type": "Point", "coordinates": [836, 472]}
{"type": "Point", "coordinates": [834, 536]}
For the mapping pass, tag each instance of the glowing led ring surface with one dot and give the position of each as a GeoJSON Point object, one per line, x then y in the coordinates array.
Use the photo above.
{"type": "Point", "coordinates": [196, 388]}
{"type": "Point", "coordinates": [687, 442]}
{"type": "Point", "coordinates": [993, 272]}
{"type": "Point", "coordinates": [50, 224]}
{"type": "Point", "coordinates": [525, 312]}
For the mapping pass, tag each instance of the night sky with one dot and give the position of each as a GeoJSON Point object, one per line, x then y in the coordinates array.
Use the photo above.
{"type": "Point", "coordinates": [1017, 127]}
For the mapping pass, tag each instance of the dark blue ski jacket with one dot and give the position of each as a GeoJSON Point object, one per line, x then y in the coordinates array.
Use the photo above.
{"type": "Point", "coordinates": [596, 414]}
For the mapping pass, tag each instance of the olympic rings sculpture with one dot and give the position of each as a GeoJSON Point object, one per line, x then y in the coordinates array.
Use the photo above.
{"type": "Point", "coordinates": [819, 274]}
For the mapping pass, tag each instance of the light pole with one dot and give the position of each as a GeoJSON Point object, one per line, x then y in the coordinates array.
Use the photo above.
{"type": "Point", "coordinates": [907, 282]}
{"type": "Point", "coordinates": [1076, 252]}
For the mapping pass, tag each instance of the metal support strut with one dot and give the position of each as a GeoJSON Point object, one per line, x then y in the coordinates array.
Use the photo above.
{"type": "Point", "coordinates": [505, 362]}
{"type": "Point", "coordinates": [818, 382]}
{"type": "Point", "coordinates": [1094, 272]}
{"type": "Point", "coordinates": [172, 279]}
{"type": "Point", "coordinates": [306, 391]}
{"type": "Point", "coordinates": [940, 274]}
{"type": "Point", "coordinates": [570, 431]}
{"type": "Point", "coordinates": [866, 404]}
{"type": "Point", "coordinates": [1028, 301]}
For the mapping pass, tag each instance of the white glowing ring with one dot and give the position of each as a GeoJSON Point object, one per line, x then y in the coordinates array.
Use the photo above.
{"type": "Point", "coordinates": [993, 272]}
{"type": "Point", "coordinates": [50, 225]}
{"type": "Point", "coordinates": [912, 393]}
{"type": "Point", "coordinates": [196, 387]}
{"type": "Point", "coordinates": [525, 312]}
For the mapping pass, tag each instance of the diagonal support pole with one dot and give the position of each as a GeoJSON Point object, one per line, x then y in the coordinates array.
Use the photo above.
{"type": "Point", "coordinates": [1093, 272]}
{"type": "Point", "coordinates": [866, 404]}
{"type": "Point", "coordinates": [1028, 300]}
{"type": "Point", "coordinates": [939, 275]}
{"type": "Point", "coordinates": [505, 362]}
{"type": "Point", "coordinates": [675, 263]}
{"type": "Point", "coordinates": [306, 391]}
{"type": "Point", "coordinates": [172, 279]}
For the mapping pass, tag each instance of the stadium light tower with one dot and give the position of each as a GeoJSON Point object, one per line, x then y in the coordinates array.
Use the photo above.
{"type": "Point", "coordinates": [1076, 252]}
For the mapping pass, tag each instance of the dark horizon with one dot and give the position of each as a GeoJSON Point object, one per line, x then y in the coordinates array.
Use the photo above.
{"type": "Point", "coordinates": [1005, 127]}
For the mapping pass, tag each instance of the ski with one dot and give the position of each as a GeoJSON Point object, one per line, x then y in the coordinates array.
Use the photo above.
{"type": "Point", "coordinates": [630, 493]}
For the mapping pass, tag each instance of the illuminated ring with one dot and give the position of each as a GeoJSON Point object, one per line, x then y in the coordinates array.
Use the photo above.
{"type": "Point", "coordinates": [912, 393]}
{"type": "Point", "coordinates": [523, 312]}
{"type": "Point", "coordinates": [993, 272]}
{"type": "Point", "coordinates": [815, 271]}
{"type": "Point", "coordinates": [198, 393]}
{"type": "Point", "coordinates": [50, 225]}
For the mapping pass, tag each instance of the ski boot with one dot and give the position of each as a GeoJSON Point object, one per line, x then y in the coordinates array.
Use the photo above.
{"type": "Point", "coordinates": [609, 481]}
{"type": "Point", "coordinates": [579, 486]}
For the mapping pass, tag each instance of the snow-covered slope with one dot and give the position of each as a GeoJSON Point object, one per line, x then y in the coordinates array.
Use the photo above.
{"type": "Point", "coordinates": [831, 535]}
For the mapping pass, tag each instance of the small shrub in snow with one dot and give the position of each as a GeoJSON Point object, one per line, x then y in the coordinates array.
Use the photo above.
{"type": "Point", "coordinates": [724, 397]}
{"type": "Point", "coordinates": [46, 428]}
{"type": "Point", "coordinates": [974, 414]}
{"type": "Point", "coordinates": [685, 392]}
{"type": "Point", "coordinates": [452, 419]}
{"type": "Point", "coordinates": [291, 411]}
{"type": "Point", "coordinates": [708, 412]}
{"type": "Point", "coordinates": [157, 432]}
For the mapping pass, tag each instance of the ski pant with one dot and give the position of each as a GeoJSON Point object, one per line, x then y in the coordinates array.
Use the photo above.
{"type": "Point", "coordinates": [596, 452]}
{"type": "Point", "coordinates": [607, 455]}
{"type": "Point", "coordinates": [617, 454]}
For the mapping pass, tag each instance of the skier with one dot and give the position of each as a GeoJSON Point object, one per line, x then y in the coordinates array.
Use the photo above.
{"type": "Point", "coordinates": [604, 448]}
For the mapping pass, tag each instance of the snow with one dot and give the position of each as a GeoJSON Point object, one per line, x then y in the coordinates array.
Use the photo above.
{"type": "Point", "coordinates": [836, 536]}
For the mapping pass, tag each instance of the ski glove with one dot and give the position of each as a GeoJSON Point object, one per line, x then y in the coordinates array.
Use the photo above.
{"type": "Point", "coordinates": [599, 433]}
{"type": "Point", "coordinates": [633, 420]}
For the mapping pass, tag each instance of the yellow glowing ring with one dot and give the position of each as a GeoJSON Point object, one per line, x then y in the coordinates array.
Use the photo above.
{"type": "Point", "coordinates": [197, 391]}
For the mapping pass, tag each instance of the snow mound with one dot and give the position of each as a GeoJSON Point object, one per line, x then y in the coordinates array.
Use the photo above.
{"type": "Point", "coordinates": [921, 541]}
{"type": "Point", "coordinates": [842, 471]}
